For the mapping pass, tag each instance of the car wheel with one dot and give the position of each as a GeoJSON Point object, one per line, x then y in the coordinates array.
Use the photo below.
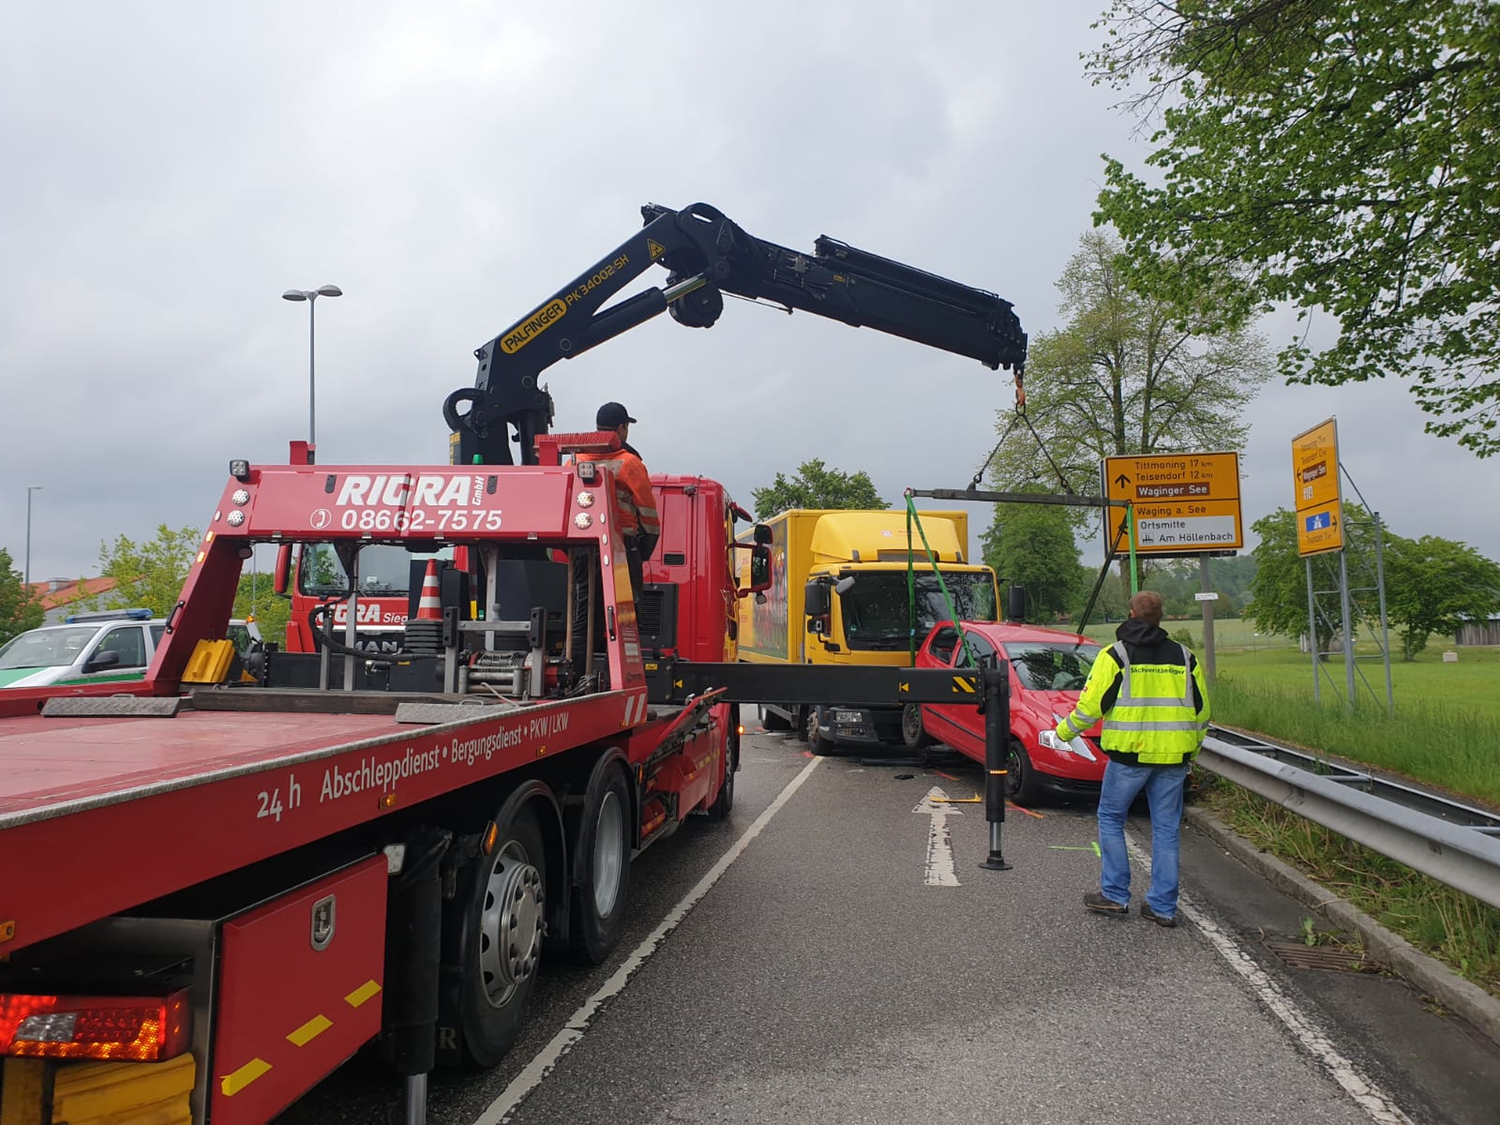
{"type": "Point", "coordinates": [1020, 774]}
{"type": "Point", "coordinates": [913, 731]}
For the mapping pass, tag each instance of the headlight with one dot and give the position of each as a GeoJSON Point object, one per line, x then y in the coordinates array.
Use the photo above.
{"type": "Point", "coordinates": [1050, 741]}
{"type": "Point", "coordinates": [848, 716]}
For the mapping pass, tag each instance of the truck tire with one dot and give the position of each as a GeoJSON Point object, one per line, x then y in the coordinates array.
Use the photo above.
{"type": "Point", "coordinates": [773, 721]}
{"type": "Point", "coordinates": [504, 914]}
{"type": "Point", "coordinates": [1020, 774]}
{"type": "Point", "coordinates": [815, 742]}
{"type": "Point", "coordinates": [719, 809]}
{"type": "Point", "coordinates": [914, 734]}
{"type": "Point", "coordinates": [804, 714]}
{"type": "Point", "coordinates": [602, 856]}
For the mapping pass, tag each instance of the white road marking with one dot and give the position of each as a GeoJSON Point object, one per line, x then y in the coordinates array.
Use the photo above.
{"type": "Point", "coordinates": [1368, 1096]}
{"type": "Point", "coordinates": [940, 870]}
{"type": "Point", "coordinates": [565, 1040]}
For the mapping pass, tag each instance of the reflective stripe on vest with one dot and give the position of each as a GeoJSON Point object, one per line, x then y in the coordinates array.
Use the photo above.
{"type": "Point", "coordinates": [1159, 729]}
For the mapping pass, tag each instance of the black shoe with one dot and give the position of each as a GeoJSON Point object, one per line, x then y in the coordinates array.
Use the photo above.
{"type": "Point", "coordinates": [1097, 902]}
{"type": "Point", "coordinates": [1152, 916]}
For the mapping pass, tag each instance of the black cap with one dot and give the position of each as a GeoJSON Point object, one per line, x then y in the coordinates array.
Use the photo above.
{"type": "Point", "coordinates": [611, 416]}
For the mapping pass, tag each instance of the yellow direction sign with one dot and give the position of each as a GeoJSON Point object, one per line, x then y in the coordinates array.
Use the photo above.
{"type": "Point", "coordinates": [1184, 502]}
{"type": "Point", "coordinates": [1320, 529]}
{"type": "Point", "coordinates": [1315, 465]}
{"type": "Point", "coordinates": [1315, 479]}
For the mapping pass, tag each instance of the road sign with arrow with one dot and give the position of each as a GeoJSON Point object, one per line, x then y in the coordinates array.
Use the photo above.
{"type": "Point", "coordinates": [1315, 471]}
{"type": "Point", "coordinates": [1184, 502]}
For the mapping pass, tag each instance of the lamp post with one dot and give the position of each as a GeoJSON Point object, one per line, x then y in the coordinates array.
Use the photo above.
{"type": "Point", "coordinates": [311, 297]}
{"type": "Point", "coordinates": [30, 488]}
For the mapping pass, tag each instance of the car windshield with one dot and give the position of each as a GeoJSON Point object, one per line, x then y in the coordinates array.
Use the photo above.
{"type": "Point", "coordinates": [384, 570]}
{"type": "Point", "coordinates": [1052, 667]}
{"type": "Point", "coordinates": [47, 648]}
{"type": "Point", "coordinates": [876, 608]}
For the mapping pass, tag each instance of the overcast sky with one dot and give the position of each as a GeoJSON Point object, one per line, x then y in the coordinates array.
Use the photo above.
{"type": "Point", "coordinates": [171, 168]}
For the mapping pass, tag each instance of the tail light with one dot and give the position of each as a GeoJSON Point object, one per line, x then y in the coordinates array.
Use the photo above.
{"type": "Point", "coordinates": [139, 1028]}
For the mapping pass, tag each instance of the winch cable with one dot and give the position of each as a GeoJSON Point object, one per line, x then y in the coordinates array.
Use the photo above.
{"type": "Point", "coordinates": [911, 585]}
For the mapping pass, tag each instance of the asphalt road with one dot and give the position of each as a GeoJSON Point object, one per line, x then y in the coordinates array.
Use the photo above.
{"type": "Point", "coordinates": [840, 968]}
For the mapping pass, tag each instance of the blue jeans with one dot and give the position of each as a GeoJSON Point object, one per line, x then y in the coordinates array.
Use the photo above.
{"type": "Point", "coordinates": [1163, 786]}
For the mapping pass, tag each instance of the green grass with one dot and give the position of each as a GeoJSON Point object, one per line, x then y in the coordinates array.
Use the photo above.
{"type": "Point", "coordinates": [1455, 928]}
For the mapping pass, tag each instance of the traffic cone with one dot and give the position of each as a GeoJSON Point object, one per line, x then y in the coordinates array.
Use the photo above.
{"type": "Point", "coordinates": [430, 606]}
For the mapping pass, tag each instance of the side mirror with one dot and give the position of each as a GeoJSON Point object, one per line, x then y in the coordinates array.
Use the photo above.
{"type": "Point", "coordinates": [760, 568]}
{"type": "Point", "coordinates": [102, 660]}
{"type": "Point", "coordinates": [817, 599]}
{"type": "Point", "coordinates": [281, 577]}
{"type": "Point", "coordinates": [1015, 603]}
{"type": "Point", "coordinates": [763, 533]}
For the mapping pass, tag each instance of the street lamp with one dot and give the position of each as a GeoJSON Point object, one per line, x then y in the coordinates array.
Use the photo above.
{"type": "Point", "coordinates": [311, 297]}
{"type": "Point", "coordinates": [30, 488]}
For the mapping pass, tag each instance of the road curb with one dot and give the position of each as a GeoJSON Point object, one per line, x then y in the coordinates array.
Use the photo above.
{"type": "Point", "coordinates": [1451, 991]}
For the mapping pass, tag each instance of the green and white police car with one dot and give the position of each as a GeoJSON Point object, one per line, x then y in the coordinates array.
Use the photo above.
{"type": "Point", "coordinates": [90, 648]}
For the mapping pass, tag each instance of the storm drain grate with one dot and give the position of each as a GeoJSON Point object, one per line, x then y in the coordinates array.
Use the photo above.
{"type": "Point", "coordinates": [1341, 958]}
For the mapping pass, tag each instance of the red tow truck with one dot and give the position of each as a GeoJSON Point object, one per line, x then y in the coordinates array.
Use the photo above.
{"type": "Point", "coordinates": [217, 886]}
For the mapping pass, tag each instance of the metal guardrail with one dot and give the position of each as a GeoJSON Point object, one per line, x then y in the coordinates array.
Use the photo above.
{"type": "Point", "coordinates": [1455, 844]}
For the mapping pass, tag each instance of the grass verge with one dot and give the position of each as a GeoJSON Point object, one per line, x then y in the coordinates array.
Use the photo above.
{"type": "Point", "coordinates": [1452, 927]}
{"type": "Point", "coordinates": [1454, 747]}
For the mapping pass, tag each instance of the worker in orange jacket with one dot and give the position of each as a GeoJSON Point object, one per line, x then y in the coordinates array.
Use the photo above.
{"type": "Point", "coordinates": [639, 522]}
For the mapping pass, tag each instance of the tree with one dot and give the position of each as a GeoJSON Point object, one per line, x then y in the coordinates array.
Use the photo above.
{"type": "Point", "coordinates": [1031, 545]}
{"type": "Point", "coordinates": [1432, 584]}
{"type": "Point", "coordinates": [255, 598]}
{"type": "Point", "coordinates": [1346, 154]}
{"type": "Point", "coordinates": [149, 574]}
{"type": "Point", "coordinates": [1131, 372]}
{"type": "Point", "coordinates": [815, 486]}
{"type": "Point", "coordinates": [20, 609]}
{"type": "Point", "coordinates": [1278, 592]}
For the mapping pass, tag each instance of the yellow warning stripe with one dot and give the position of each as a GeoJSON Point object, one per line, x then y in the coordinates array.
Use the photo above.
{"type": "Point", "coordinates": [310, 1031]}
{"type": "Point", "coordinates": [361, 994]}
{"type": "Point", "coordinates": [962, 683]}
{"type": "Point", "coordinates": [236, 1080]}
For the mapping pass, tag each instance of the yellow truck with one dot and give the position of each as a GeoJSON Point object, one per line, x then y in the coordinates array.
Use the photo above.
{"type": "Point", "coordinates": [839, 595]}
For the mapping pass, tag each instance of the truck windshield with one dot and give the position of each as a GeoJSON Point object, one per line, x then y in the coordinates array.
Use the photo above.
{"type": "Point", "coordinates": [384, 570]}
{"type": "Point", "coordinates": [1052, 667]}
{"type": "Point", "coordinates": [876, 606]}
{"type": "Point", "coordinates": [47, 648]}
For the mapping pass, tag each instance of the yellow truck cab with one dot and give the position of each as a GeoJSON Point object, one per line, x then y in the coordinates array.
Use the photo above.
{"type": "Point", "coordinates": [841, 594]}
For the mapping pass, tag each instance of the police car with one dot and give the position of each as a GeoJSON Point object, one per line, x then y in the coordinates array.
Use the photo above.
{"type": "Point", "coordinates": [90, 648]}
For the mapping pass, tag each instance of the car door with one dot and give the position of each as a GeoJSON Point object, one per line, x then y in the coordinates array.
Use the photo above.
{"type": "Point", "coordinates": [961, 725]}
{"type": "Point", "coordinates": [128, 643]}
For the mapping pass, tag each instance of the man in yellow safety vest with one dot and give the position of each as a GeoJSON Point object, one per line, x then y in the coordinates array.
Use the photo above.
{"type": "Point", "coordinates": [1150, 692]}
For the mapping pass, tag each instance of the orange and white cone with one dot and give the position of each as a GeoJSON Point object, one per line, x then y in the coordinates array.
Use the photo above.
{"type": "Point", "coordinates": [430, 606]}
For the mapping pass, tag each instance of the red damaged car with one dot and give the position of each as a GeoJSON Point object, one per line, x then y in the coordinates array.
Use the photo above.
{"type": "Point", "coordinates": [1048, 668]}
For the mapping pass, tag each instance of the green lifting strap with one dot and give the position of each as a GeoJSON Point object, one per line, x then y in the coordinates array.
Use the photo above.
{"type": "Point", "coordinates": [911, 587]}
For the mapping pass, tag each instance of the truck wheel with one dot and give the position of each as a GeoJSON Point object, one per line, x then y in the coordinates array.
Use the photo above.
{"type": "Point", "coordinates": [773, 721]}
{"type": "Point", "coordinates": [913, 733]}
{"type": "Point", "coordinates": [603, 856]}
{"type": "Point", "coordinates": [506, 919]}
{"type": "Point", "coordinates": [1020, 774]}
{"type": "Point", "coordinates": [804, 716]}
{"type": "Point", "coordinates": [816, 742]}
{"type": "Point", "coordinates": [719, 810]}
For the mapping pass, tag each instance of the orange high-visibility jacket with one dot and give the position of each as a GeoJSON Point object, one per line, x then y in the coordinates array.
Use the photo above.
{"type": "Point", "coordinates": [633, 495]}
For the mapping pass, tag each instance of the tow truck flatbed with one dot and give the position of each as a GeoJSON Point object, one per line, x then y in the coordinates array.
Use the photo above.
{"type": "Point", "coordinates": [104, 799]}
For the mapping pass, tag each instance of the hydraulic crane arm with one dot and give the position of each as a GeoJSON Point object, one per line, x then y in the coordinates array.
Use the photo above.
{"type": "Point", "coordinates": [707, 255]}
